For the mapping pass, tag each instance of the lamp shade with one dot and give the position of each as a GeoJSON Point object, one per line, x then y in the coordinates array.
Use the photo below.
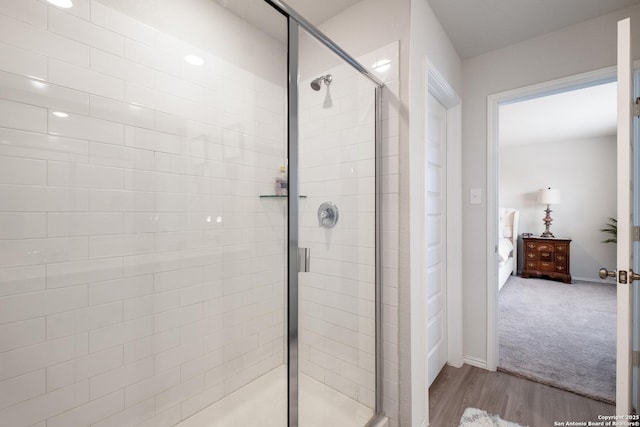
{"type": "Point", "coordinates": [548, 196]}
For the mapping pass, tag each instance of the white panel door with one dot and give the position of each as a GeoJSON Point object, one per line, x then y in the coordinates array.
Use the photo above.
{"type": "Point", "coordinates": [625, 245]}
{"type": "Point", "coordinates": [436, 238]}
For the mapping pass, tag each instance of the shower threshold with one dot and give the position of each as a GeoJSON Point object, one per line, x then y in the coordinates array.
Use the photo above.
{"type": "Point", "coordinates": [262, 403]}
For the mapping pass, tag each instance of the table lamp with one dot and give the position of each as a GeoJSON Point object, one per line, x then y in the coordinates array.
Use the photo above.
{"type": "Point", "coordinates": [548, 196]}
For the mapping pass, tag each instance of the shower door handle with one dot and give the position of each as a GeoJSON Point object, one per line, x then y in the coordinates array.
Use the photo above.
{"type": "Point", "coordinates": [304, 260]}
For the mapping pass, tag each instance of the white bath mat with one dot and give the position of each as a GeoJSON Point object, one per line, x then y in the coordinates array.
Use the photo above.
{"type": "Point", "coordinates": [473, 417]}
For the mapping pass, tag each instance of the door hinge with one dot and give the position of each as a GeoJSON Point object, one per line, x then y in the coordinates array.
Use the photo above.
{"type": "Point", "coordinates": [635, 358]}
{"type": "Point", "coordinates": [636, 107]}
{"type": "Point", "coordinates": [635, 231]}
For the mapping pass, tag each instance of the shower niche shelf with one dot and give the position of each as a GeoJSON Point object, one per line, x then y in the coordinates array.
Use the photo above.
{"type": "Point", "coordinates": [276, 196]}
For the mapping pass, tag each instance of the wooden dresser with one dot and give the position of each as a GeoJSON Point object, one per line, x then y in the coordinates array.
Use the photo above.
{"type": "Point", "coordinates": [546, 257]}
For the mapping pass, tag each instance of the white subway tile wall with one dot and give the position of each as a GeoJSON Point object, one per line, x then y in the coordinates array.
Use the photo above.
{"type": "Point", "coordinates": [141, 276]}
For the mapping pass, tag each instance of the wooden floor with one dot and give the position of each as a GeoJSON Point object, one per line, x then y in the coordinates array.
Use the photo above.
{"type": "Point", "coordinates": [511, 398]}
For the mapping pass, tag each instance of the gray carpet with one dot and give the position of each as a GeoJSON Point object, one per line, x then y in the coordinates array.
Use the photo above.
{"type": "Point", "coordinates": [559, 334]}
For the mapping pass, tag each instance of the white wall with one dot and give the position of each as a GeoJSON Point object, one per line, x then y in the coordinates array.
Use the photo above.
{"type": "Point", "coordinates": [576, 49]}
{"type": "Point", "coordinates": [584, 172]}
{"type": "Point", "coordinates": [141, 276]}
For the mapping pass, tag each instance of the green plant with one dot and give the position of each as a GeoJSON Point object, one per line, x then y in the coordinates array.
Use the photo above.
{"type": "Point", "coordinates": [612, 230]}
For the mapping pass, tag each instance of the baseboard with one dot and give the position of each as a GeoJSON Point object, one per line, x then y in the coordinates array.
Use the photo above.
{"type": "Point", "coordinates": [592, 280]}
{"type": "Point", "coordinates": [456, 363]}
{"type": "Point", "coordinates": [478, 363]}
{"type": "Point", "coordinates": [587, 279]}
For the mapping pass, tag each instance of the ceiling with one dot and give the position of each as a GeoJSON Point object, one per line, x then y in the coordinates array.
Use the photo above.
{"type": "Point", "coordinates": [575, 115]}
{"type": "Point", "coordinates": [263, 16]}
{"type": "Point", "coordinates": [317, 12]}
{"type": "Point", "coordinates": [479, 26]}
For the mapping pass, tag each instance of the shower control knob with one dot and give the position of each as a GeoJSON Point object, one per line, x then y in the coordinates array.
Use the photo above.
{"type": "Point", "coordinates": [327, 215]}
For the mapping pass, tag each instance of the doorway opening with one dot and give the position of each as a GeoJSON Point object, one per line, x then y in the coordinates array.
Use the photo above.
{"type": "Point", "coordinates": [530, 149]}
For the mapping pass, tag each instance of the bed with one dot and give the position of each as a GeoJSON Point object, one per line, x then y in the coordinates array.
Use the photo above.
{"type": "Point", "coordinates": [507, 244]}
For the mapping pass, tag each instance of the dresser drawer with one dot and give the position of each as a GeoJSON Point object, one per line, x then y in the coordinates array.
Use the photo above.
{"type": "Point", "coordinates": [545, 248]}
{"type": "Point", "coordinates": [546, 266]}
{"type": "Point", "coordinates": [545, 256]}
{"type": "Point", "coordinates": [561, 260]}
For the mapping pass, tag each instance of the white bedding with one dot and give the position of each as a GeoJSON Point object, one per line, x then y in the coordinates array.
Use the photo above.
{"type": "Point", "coordinates": [505, 249]}
{"type": "Point", "coordinates": [507, 244]}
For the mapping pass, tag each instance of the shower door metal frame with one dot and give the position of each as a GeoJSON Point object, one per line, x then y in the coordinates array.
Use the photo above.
{"type": "Point", "coordinates": [294, 23]}
{"type": "Point", "coordinates": [293, 224]}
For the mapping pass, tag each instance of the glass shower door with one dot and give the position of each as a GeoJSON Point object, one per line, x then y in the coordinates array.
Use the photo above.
{"type": "Point", "coordinates": [337, 223]}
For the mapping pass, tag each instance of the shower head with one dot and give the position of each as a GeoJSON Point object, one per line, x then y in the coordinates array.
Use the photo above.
{"type": "Point", "coordinates": [315, 84]}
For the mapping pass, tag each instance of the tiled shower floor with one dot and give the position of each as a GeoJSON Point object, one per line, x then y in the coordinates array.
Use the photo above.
{"type": "Point", "coordinates": [262, 404]}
